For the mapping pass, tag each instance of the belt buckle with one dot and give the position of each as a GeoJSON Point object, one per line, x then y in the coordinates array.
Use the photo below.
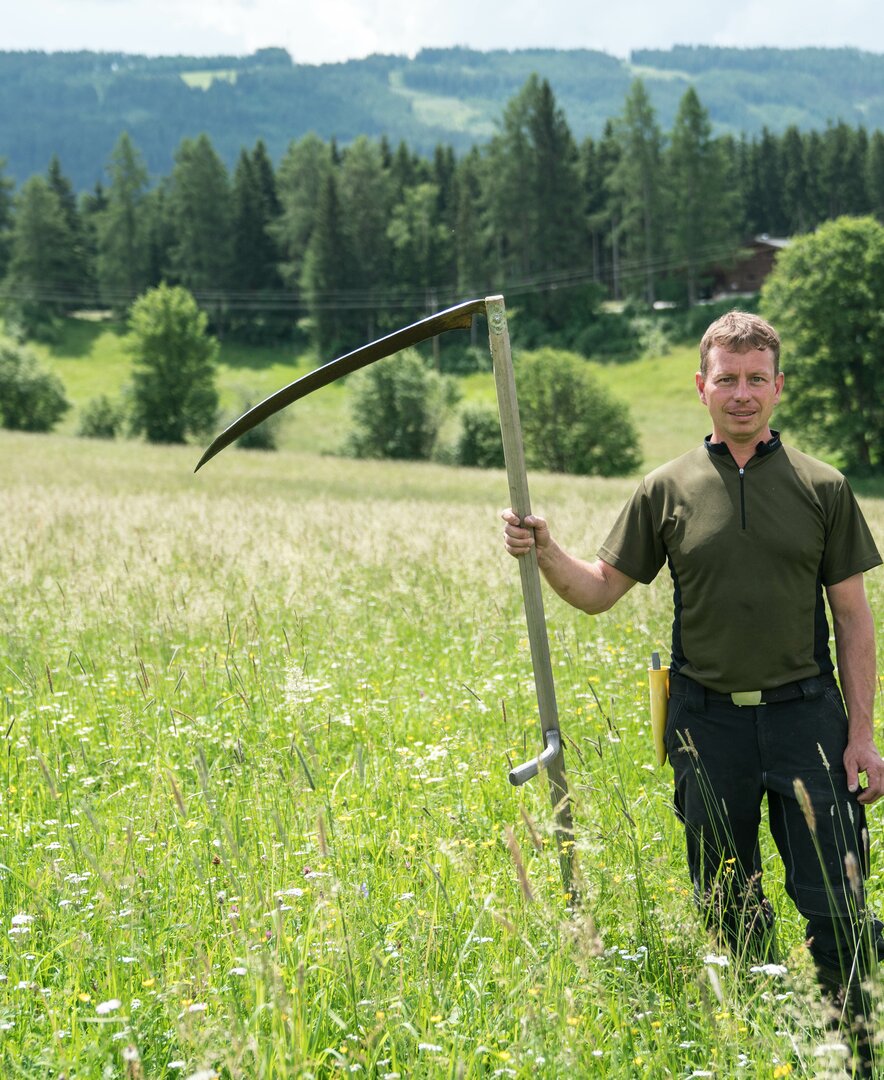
{"type": "Point", "coordinates": [746, 697]}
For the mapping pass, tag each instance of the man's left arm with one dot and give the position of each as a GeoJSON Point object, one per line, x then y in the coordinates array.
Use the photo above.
{"type": "Point", "coordinates": [855, 651]}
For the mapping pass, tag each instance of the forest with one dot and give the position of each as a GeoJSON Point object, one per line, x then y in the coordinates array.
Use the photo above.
{"type": "Point", "coordinates": [337, 243]}
{"type": "Point", "coordinates": [76, 104]}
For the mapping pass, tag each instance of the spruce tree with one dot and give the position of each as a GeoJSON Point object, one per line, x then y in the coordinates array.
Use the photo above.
{"type": "Point", "coordinates": [200, 205]}
{"type": "Point", "coordinates": [875, 174]}
{"type": "Point", "coordinates": [699, 218]}
{"type": "Point", "coordinates": [300, 181]}
{"type": "Point", "coordinates": [6, 200]}
{"type": "Point", "coordinates": [636, 182]}
{"type": "Point", "coordinates": [327, 280]}
{"type": "Point", "coordinates": [37, 281]}
{"type": "Point", "coordinates": [122, 239]}
{"type": "Point", "coordinates": [75, 272]}
{"type": "Point", "coordinates": [366, 197]}
{"type": "Point", "coordinates": [535, 197]}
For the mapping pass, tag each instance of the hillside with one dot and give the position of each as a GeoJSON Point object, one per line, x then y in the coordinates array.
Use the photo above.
{"type": "Point", "coordinates": [76, 104]}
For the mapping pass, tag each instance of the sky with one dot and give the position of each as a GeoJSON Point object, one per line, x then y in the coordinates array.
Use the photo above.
{"type": "Point", "coordinates": [323, 31]}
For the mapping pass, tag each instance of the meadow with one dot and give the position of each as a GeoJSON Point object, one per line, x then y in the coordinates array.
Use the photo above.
{"type": "Point", "coordinates": [254, 809]}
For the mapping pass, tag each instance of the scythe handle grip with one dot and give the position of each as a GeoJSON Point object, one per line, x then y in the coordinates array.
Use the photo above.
{"type": "Point", "coordinates": [531, 768]}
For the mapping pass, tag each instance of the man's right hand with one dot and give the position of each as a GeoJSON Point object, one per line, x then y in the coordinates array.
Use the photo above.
{"type": "Point", "coordinates": [519, 540]}
{"type": "Point", "coordinates": [591, 587]}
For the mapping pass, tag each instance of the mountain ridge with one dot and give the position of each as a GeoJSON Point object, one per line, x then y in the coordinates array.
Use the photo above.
{"type": "Point", "coordinates": [76, 104]}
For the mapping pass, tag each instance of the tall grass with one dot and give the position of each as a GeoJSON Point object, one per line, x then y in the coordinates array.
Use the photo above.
{"type": "Point", "coordinates": [254, 813]}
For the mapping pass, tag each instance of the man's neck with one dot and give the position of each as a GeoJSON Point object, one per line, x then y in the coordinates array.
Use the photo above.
{"type": "Point", "coordinates": [743, 452]}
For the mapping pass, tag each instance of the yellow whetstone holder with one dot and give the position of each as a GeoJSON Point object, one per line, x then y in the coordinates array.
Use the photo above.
{"type": "Point", "coordinates": [658, 687]}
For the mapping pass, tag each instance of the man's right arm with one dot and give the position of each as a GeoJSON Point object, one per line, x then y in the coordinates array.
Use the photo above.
{"type": "Point", "coordinates": [591, 587]}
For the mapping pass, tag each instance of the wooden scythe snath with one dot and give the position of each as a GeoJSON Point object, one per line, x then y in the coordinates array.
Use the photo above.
{"type": "Point", "coordinates": [460, 317]}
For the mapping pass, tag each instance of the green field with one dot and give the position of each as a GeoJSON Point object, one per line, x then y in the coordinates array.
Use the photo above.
{"type": "Point", "coordinates": [91, 360]}
{"type": "Point", "coordinates": [254, 811]}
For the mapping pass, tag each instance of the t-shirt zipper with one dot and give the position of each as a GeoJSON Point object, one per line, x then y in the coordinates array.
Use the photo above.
{"type": "Point", "coordinates": [742, 498]}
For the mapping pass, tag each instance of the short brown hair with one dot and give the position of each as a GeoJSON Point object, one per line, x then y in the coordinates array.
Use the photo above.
{"type": "Point", "coordinates": [740, 331]}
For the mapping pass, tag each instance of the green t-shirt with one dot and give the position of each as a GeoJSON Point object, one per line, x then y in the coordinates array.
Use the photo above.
{"type": "Point", "coordinates": [749, 551]}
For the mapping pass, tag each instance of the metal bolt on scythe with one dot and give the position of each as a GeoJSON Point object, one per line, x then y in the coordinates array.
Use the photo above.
{"type": "Point", "coordinates": [552, 758]}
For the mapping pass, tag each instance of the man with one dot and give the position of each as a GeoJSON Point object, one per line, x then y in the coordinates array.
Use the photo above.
{"type": "Point", "coordinates": [753, 533]}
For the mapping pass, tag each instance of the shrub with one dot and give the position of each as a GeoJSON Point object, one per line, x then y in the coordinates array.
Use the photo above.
{"type": "Point", "coordinates": [456, 358]}
{"type": "Point", "coordinates": [262, 437]}
{"type": "Point", "coordinates": [397, 407]}
{"type": "Point", "coordinates": [609, 336]}
{"type": "Point", "coordinates": [31, 398]}
{"type": "Point", "coordinates": [571, 423]}
{"type": "Point", "coordinates": [101, 418]}
{"type": "Point", "coordinates": [173, 390]}
{"type": "Point", "coordinates": [480, 444]}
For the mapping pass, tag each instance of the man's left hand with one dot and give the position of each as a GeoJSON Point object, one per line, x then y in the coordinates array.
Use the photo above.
{"type": "Point", "coordinates": [862, 756]}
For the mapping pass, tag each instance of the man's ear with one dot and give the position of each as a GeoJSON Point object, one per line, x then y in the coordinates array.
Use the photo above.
{"type": "Point", "coordinates": [701, 386]}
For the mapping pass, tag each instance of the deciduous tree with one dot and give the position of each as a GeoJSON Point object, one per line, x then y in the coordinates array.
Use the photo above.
{"type": "Point", "coordinates": [174, 359]}
{"type": "Point", "coordinates": [826, 298]}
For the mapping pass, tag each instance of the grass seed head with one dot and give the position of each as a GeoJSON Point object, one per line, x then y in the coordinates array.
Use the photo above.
{"type": "Point", "coordinates": [801, 794]}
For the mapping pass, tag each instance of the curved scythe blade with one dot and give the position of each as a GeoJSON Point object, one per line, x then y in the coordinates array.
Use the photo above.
{"type": "Point", "coordinates": [458, 317]}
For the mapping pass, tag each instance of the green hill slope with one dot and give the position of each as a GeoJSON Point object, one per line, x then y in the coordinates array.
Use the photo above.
{"type": "Point", "coordinates": [76, 104]}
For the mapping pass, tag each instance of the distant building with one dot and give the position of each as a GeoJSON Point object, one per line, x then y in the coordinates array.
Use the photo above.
{"type": "Point", "coordinates": [748, 271]}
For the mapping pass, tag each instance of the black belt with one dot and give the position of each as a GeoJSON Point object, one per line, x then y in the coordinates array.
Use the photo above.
{"type": "Point", "coordinates": [803, 688]}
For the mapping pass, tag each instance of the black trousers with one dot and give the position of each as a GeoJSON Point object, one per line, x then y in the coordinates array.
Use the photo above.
{"type": "Point", "coordinates": [726, 758]}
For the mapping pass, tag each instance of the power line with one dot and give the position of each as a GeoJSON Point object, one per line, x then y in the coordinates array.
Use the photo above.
{"type": "Point", "coordinates": [288, 301]}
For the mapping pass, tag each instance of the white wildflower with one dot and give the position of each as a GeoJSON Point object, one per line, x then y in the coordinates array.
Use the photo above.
{"type": "Point", "coordinates": [775, 970]}
{"type": "Point", "coordinates": [105, 1007]}
{"type": "Point", "coordinates": [718, 961]}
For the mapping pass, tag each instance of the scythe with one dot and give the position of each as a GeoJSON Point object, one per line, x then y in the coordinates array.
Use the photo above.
{"type": "Point", "coordinates": [460, 317]}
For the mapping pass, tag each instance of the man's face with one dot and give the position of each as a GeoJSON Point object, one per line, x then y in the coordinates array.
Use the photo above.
{"type": "Point", "coordinates": [740, 391]}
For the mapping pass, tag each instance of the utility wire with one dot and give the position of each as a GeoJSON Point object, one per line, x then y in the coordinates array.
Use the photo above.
{"type": "Point", "coordinates": [290, 301]}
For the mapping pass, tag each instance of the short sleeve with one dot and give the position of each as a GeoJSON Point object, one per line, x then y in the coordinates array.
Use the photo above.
{"type": "Point", "coordinates": [850, 547]}
{"type": "Point", "coordinates": [634, 545]}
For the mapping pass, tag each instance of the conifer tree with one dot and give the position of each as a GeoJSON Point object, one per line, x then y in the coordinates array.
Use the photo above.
{"type": "Point", "coordinates": [534, 199]}
{"type": "Point", "coordinates": [255, 255]}
{"type": "Point", "coordinates": [75, 272]}
{"type": "Point", "coordinates": [796, 201]}
{"type": "Point", "coordinates": [875, 174]}
{"type": "Point", "coordinates": [471, 237]}
{"type": "Point", "coordinates": [300, 180]}
{"type": "Point", "coordinates": [200, 206]}
{"type": "Point", "coordinates": [6, 189]}
{"type": "Point", "coordinates": [327, 279]}
{"type": "Point", "coordinates": [122, 239]}
{"type": "Point", "coordinates": [37, 280]}
{"type": "Point", "coordinates": [699, 217]}
{"type": "Point", "coordinates": [366, 198]}
{"type": "Point", "coordinates": [636, 181]}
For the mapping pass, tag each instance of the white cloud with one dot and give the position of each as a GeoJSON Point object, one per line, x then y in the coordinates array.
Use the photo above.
{"type": "Point", "coordinates": [339, 29]}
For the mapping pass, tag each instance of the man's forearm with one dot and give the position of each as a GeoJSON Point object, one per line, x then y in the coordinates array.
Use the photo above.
{"type": "Point", "coordinates": [591, 587]}
{"type": "Point", "coordinates": [855, 651]}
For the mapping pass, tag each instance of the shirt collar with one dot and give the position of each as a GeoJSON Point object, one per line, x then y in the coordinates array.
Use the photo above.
{"type": "Point", "coordinates": [761, 449]}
